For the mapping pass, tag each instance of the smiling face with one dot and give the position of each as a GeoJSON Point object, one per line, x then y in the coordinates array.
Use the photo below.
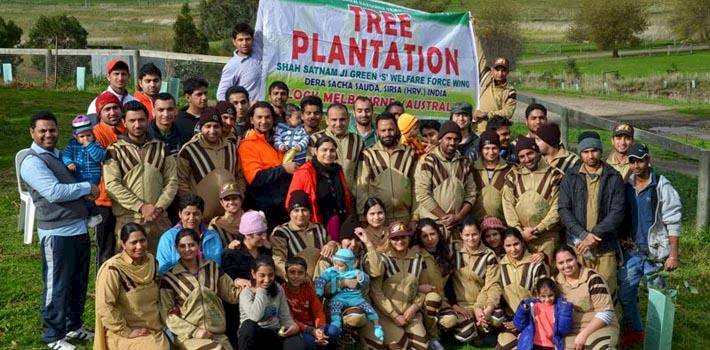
{"type": "Point", "coordinates": [514, 247]}
{"type": "Point", "coordinates": [164, 112]}
{"type": "Point", "coordinates": [622, 143]}
{"type": "Point", "coordinates": [188, 248]}
{"type": "Point", "coordinates": [529, 158]}
{"type": "Point", "coordinates": [262, 120]}
{"type": "Point", "coordinates": [326, 153]}
{"type": "Point", "coordinates": [311, 116]}
{"type": "Point", "coordinates": [362, 109]}
{"type": "Point", "coordinates": [463, 120]}
{"type": "Point", "coordinates": [300, 216]}
{"type": "Point", "coordinates": [278, 97]}
{"type": "Point", "coordinates": [255, 240]}
{"type": "Point", "coordinates": [449, 143]}
{"type": "Point", "coordinates": [111, 114]}
{"type": "Point", "coordinates": [567, 264]}
{"type": "Point", "coordinates": [375, 216]}
{"type": "Point", "coordinates": [504, 136]}
{"type": "Point", "coordinates": [212, 132]}
{"type": "Point", "coordinates": [45, 134]}
{"type": "Point", "coordinates": [231, 204]}
{"type": "Point", "coordinates": [492, 238]}
{"type": "Point", "coordinates": [337, 121]}
{"type": "Point", "coordinates": [296, 275]}
{"type": "Point", "coordinates": [546, 295]}
{"type": "Point", "coordinates": [639, 167]}
{"type": "Point", "coordinates": [243, 43]}
{"type": "Point", "coordinates": [490, 152]}
{"type": "Point", "coordinates": [400, 244]}
{"type": "Point", "coordinates": [471, 237]}
{"type": "Point", "coordinates": [136, 245]}
{"type": "Point", "coordinates": [191, 217]}
{"type": "Point", "coordinates": [264, 276]}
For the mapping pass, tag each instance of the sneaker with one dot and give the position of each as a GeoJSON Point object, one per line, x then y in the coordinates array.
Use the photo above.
{"type": "Point", "coordinates": [435, 345]}
{"type": "Point", "coordinates": [61, 344]}
{"type": "Point", "coordinates": [80, 334]}
{"type": "Point", "coordinates": [94, 221]}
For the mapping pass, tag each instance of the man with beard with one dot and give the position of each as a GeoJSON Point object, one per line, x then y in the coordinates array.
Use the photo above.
{"type": "Point", "coordinates": [117, 76]}
{"type": "Point", "coordinates": [239, 98]}
{"type": "Point", "coordinates": [163, 127]}
{"type": "Point", "coordinates": [502, 127]}
{"type": "Point", "coordinates": [149, 81]}
{"type": "Point", "coordinates": [444, 187]}
{"type": "Point", "coordinates": [548, 141]}
{"type": "Point", "coordinates": [535, 116]}
{"type": "Point", "coordinates": [387, 172]}
{"type": "Point", "coordinates": [461, 115]}
{"type": "Point", "coordinates": [489, 174]}
{"type": "Point", "coordinates": [591, 207]}
{"type": "Point", "coordinates": [207, 162]}
{"type": "Point", "coordinates": [361, 124]}
{"type": "Point", "coordinates": [530, 201]}
{"type": "Point", "coordinates": [195, 92]}
{"type": "Point", "coordinates": [141, 177]}
{"type": "Point", "coordinates": [311, 113]}
{"type": "Point", "coordinates": [622, 139]}
{"type": "Point", "coordinates": [278, 96]}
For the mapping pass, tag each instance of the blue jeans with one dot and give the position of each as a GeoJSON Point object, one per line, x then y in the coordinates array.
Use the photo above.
{"type": "Point", "coordinates": [636, 265]}
{"type": "Point", "coordinates": [331, 331]}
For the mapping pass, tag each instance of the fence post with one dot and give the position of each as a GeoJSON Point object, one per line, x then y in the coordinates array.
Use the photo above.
{"type": "Point", "coordinates": [134, 68]}
{"type": "Point", "coordinates": [80, 78]}
{"type": "Point", "coordinates": [7, 72]}
{"type": "Point", "coordinates": [703, 210]}
{"type": "Point", "coordinates": [47, 56]}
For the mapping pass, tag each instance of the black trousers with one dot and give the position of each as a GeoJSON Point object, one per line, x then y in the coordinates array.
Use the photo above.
{"type": "Point", "coordinates": [253, 337]}
{"type": "Point", "coordinates": [105, 236]}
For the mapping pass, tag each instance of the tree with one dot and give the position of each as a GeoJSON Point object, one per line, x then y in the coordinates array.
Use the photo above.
{"type": "Point", "coordinates": [63, 32]}
{"type": "Point", "coordinates": [497, 28]}
{"type": "Point", "coordinates": [10, 33]}
{"type": "Point", "coordinates": [188, 38]}
{"type": "Point", "coordinates": [690, 20]}
{"type": "Point", "coordinates": [610, 24]}
{"type": "Point", "coordinates": [217, 17]}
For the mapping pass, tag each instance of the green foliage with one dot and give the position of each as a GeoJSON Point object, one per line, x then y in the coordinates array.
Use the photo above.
{"type": "Point", "coordinates": [217, 17]}
{"type": "Point", "coordinates": [60, 31]}
{"type": "Point", "coordinates": [610, 24]}
{"type": "Point", "coordinates": [427, 5]}
{"type": "Point", "coordinates": [188, 38]}
{"type": "Point", "coordinates": [690, 20]}
{"type": "Point", "coordinates": [497, 27]}
{"type": "Point", "coordinates": [572, 68]}
{"type": "Point", "coordinates": [10, 33]}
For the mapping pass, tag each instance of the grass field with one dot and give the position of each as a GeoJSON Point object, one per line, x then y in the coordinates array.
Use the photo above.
{"type": "Point", "coordinates": [20, 288]}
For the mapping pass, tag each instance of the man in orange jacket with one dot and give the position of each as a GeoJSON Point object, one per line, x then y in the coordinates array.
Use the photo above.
{"type": "Point", "coordinates": [267, 178]}
{"type": "Point", "coordinates": [149, 81]}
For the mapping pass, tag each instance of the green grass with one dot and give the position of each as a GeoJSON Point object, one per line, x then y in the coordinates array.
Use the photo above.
{"type": "Point", "coordinates": [630, 67]}
{"type": "Point", "coordinates": [542, 48]}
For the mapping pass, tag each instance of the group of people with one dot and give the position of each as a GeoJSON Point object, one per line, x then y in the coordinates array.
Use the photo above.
{"type": "Point", "coordinates": [256, 223]}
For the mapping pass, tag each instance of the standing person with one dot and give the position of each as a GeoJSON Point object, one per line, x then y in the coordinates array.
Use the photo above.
{"type": "Point", "coordinates": [229, 121]}
{"type": "Point", "coordinates": [194, 90]}
{"type": "Point", "coordinates": [430, 130]}
{"type": "Point", "coordinates": [444, 187]}
{"type": "Point", "coordinates": [265, 319]}
{"type": "Point", "coordinates": [266, 175]}
{"type": "Point", "coordinates": [64, 240]}
{"type": "Point", "coordinates": [555, 153]}
{"type": "Point", "coordinates": [278, 97]}
{"type": "Point", "coordinates": [652, 241]}
{"type": "Point", "coordinates": [386, 172]}
{"type": "Point", "coordinates": [507, 148]}
{"type": "Point", "coordinates": [163, 127]}
{"type": "Point", "coordinates": [530, 200]}
{"type": "Point", "coordinates": [191, 296]}
{"type": "Point", "coordinates": [141, 177]}
{"type": "Point", "coordinates": [149, 81]}
{"type": "Point", "coordinates": [591, 206]}
{"type": "Point", "coordinates": [324, 181]}
{"type": "Point", "coordinates": [244, 68]}
{"type": "Point", "coordinates": [594, 325]}
{"type": "Point", "coordinates": [291, 137]}
{"type": "Point", "coordinates": [227, 225]}
{"type": "Point", "coordinates": [128, 297]}
{"type": "Point", "coordinates": [361, 123]}
{"type": "Point", "coordinates": [497, 95]}
{"type": "Point", "coordinates": [535, 116]}
{"type": "Point", "coordinates": [207, 162]}
{"type": "Point", "coordinates": [461, 115]}
{"type": "Point", "coordinates": [117, 76]}
{"type": "Point", "coordinates": [312, 113]}
{"type": "Point", "coordinates": [238, 96]}
{"type": "Point", "coordinates": [622, 139]}
{"type": "Point", "coordinates": [489, 173]}
{"type": "Point", "coordinates": [349, 145]}
{"type": "Point", "coordinates": [395, 108]}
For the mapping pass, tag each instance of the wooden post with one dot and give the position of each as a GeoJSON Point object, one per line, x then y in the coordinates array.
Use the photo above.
{"type": "Point", "coordinates": [47, 56]}
{"type": "Point", "coordinates": [703, 210]}
{"type": "Point", "coordinates": [564, 128]}
{"type": "Point", "coordinates": [134, 68]}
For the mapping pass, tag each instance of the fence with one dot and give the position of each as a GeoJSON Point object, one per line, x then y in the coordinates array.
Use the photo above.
{"type": "Point", "coordinates": [568, 115]}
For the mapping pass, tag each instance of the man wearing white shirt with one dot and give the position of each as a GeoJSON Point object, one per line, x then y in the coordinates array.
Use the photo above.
{"type": "Point", "coordinates": [117, 76]}
{"type": "Point", "coordinates": [244, 68]}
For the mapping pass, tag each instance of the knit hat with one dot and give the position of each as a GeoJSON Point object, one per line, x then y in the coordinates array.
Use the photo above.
{"type": "Point", "coordinates": [448, 127]}
{"type": "Point", "coordinates": [209, 115]}
{"type": "Point", "coordinates": [406, 123]}
{"type": "Point", "coordinates": [104, 99]}
{"type": "Point", "coordinates": [462, 107]}
{"type": "Point", "coordinates": [398, 229]}
{"type": "Point", "coordinates": [489, 137]}
{"type": "Point", "coordinates": [229, 189]}
{"type": "Point", "coordinates": [491, 223]}
{"type": "Point", "coordinates": [224, 107]}
{"type": "Point", "coordinates": [346, 256]}
{"type": "Point", "coordinates": [587, 140]}
{"type": "Point", "coordinates": [624, 129]}
{"type": "Point", "coordinates": [299, 199]}
{"type": "Point", "coordinates": [80, 124]}
{"type": "Point", "coordinates": [550, 133]}
{"type": "Point", "coordinates": [252, 222]}
{"type": "Point", "coordinates": [524, 143]}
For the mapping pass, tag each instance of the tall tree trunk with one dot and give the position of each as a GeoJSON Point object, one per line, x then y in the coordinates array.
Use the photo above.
{"type": "Point", "coordinates": [615, 53]}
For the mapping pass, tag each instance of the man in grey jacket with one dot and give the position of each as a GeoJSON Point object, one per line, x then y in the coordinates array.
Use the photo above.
{"type": "Point", "coordinates": [651, 240]}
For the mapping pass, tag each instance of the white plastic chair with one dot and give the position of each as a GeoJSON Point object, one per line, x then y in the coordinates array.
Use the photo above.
{"type": "Point", "coordinates": [26, 219]}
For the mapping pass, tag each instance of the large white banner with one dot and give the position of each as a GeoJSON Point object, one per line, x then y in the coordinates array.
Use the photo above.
{"type": "Point", "coordinates": [341, 49]}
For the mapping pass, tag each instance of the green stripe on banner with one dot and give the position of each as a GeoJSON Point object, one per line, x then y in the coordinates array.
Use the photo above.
{"type": "Point", "coordinates": [444, 18]}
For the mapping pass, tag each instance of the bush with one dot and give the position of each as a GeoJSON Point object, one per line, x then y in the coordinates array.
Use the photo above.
{"type": "Point", "coordinates": [188, 38]}
{"type": "Point", "coordinates": [10, 36]}
{"type": "Point", "coordinates": [497, 28]}
{"type": "Point", "coordinates": [217, 17]}
{"type": "Point", "coordinates": [63, 32]}
{"type": "Point", "coordinates": [690, 20]}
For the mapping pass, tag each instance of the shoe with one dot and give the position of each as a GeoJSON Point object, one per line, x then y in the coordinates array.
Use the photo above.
{"type": "Point", "coordinates": [435, 345]}
{"type": "Point", "coordinates": [632, 337]}
{"type": "Point", "coordinates": [80, 334]}
{"type": "Point", "coordinates": [94, 221]}
{"type": "Point", "coordinates": [61, 344]}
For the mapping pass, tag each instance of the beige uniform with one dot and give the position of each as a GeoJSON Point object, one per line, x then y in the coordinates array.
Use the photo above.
{"type": "Point", "coordinates": [490, 185]}
{"type": "Point", "coordinates": [621, 166]}
{"type": "Point", "coordinates": [530, 200]}
{"type": "Point", "coordinates": [393, 292]}
{"type": "Point", "coordinates": [349, 150]}
{"type": "Point", "coordinates": [589, 295]}
{"type": "Point", "coordinates": [191, 302]}
{"type": "Point", "coordinates": [127, 297]}
{"type": "Point", "coordinates": [226, 234]}
{"type": "Point", "coordinates": [389, 177]}
{"type": "Point", "coordinates": [136, 175]}
{"type": "Point", "coordinates": [204, 168]}
{"type": "Point", "coordinates": [496, 100]}
{"type": "Point", "coordinates": [288, 241]}
{"type": "Point", "coordinates": [564, 159]}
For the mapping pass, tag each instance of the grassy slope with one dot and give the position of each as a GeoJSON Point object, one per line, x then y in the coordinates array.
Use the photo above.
{"type": "Point", "coordinates": [20, 326]}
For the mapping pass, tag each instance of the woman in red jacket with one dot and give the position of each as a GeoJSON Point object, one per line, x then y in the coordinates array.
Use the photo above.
{"type": "Point", "coordinates": [324, 181]}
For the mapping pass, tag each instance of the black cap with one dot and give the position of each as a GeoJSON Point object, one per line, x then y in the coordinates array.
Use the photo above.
{"type": "Point", "coordinates": [638, 151]}
{"type": "Point", "coordinates": [299, 199]}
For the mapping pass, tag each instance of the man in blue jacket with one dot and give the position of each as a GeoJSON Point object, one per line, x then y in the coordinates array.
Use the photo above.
{"type": "Point", "coordinates": [651, 240]}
